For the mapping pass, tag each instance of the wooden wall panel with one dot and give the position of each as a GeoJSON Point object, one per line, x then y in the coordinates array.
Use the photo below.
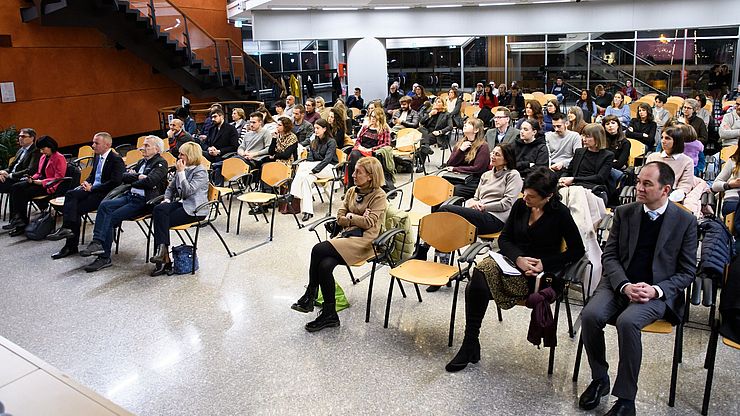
{"type": "Point", "coordinates": [71, 82]}
{"type": "Point", "coordinates": [496, 54]}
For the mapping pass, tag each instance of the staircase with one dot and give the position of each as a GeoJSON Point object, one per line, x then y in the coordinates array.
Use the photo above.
{"type": "Point", "coordinates": [162, 35]}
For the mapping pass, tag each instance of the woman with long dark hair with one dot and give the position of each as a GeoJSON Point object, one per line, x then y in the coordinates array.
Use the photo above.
{"type": "Point", "coordinates": [552, 107]}
{"type": "Point", "coordinates": [587, 105]}
{"type": "Point", "coordinates": [643, 126]}
{"type": "Point", "coordinates": [319, 164]}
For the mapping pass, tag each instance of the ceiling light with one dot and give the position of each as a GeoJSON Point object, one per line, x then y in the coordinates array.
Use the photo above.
{"type": "Point", "coordinates": [289, 8]}
{"type": "Point", "coordinates": [443, 6]}
{"type": "Point", "coordinates": [392, 7]}
{"type": "Point", "coordinates": [496, 4]}
{"type": "Point", "coordinates": [334, 9]}
{"type": "Point", "coordinates": [549, 1]}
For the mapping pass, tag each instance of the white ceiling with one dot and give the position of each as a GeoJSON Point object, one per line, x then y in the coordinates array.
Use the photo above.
{"type": "Point", "coordinates": [372, 4]}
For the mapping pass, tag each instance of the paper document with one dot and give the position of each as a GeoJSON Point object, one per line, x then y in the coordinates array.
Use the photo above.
{"type": "Point", "coordinates": [507, 267]}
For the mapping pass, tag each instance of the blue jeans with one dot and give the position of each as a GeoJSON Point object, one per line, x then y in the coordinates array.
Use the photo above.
{"type": "Point", "coordinates": [728, 207]}
{"type": "Point", "coordinates": [112, 213]}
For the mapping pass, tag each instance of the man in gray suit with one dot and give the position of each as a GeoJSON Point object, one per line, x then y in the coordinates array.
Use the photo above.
{"type": "Point", "coordinates": [503, 131]}
{"type": "Point", "coordinates": [649, 259]}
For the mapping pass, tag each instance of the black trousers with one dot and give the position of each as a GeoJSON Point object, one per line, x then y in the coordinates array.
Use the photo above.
{"type": "Point", "coordinates": [77, 203]}
{"type": "Point", "coordinates": [166, 215]}
{"type": "Point", "coordinates": [20, 194]}
{"type": "Point", "coordinates": [484, 222]}
{"type": "Point", "coordinates": [324, 258]}
{"type": "Point", "coordinates": [467, 190]}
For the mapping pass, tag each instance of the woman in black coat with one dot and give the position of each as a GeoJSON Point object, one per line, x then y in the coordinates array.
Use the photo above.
{"type": "Point", "coordinates": [643, 126]}
{"type": "Point", "coordinates": [592, 164]}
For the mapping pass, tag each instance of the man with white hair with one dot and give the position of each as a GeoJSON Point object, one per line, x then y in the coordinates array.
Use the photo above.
{"type": "Point", "coordinates": [106, 174]}
{"type": "Point", "coordinates": [289, 104]}
{"type": "Point", "coordinates": [148, 180]}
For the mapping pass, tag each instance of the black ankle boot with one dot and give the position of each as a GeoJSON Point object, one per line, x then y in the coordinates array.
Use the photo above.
{"type": "Point", "coordinates": [327, 318]}
{"type": "Point", "coordinates": [162, 256]}
{"type": "Point", "coordinates": [161, 268]}
{"type": "Point", "coordinates": [306, 302]}
{"type": "Point", "coordinates": [469, 353]}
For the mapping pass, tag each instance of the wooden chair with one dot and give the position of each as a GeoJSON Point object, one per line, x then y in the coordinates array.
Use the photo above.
{"type": "Point", "coordinates": [444, 96]}
{"type": "Point", "coordinates": [408, 141]}
{"type": "Point", "coordinates": [85, 151]}
{"type": "Point", "coordinates": [536, 94]}
{"type": "Point", "coordinates": [430, 190]}
{"type": "Point", "coordinates": [726, 152]}
{"type": "Point", "coordinates": [276, 175]}
{"type": "Point", "coordinates": [467, 97]}
{"type": "Point", "coordinates": [633, 109]}
{"type": "Point", "coordinates": [132, 156]}
{"type": "Point", "coordinates": [443, 231]}
{"type": "Point", "coordinates": [528, 96]}
{"type": "Point", "coordinates": [140, 141]}
{"type": "Point", "coordinates": [235, 171]}
{"type": "Point", "coordinates": [549, 97]}
{"type": "Point", "coordinates": [471, 111]}
{"type": "Point", "coordinates": [637, 149]}
{"type": "Point", "coordinates": [658, 327]}
{"type": "Point", "coordinates": [171, 160]}
{"type": "Point", "coordinates": [674, 99]}
{"type": "Point", "coordinates": [648, 99]}
{"type": "Point", "coordinates": [627, 99]}
{"type": "Point", "coordinates": [541, 99]}
{"type": "Point", "coordinates": [355, 112]}
{"type": "Point", "coordinates": [672, 108]}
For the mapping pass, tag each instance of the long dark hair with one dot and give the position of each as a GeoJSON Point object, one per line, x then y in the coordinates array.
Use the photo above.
{"type": "Point", "coordinates": [509, 155]}
{"type": "Point", "coordinates": [327, 134]}
{"type": "Point", "coordinates": [648, 111]}
{"type": "Point", "coordinates": [489, 95]}
{"type": "Point", "coordinates": [614, 141]}
{"type": "Point", "coordinates": [589, 100]}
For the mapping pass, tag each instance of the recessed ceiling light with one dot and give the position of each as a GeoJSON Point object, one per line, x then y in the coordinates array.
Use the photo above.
{"type": "Point", "coordinates": [549, 1]}
{"type": "Point", "coordinates": [392, 7]}
{"type": "Point", "coordinates": [334, 9]}
{"type": "Point", "coordinates": [443, 6]}
{"type": "Point", "coordinates": [289, 8]}
{"type": "Point", "coordinates": [496, 4]}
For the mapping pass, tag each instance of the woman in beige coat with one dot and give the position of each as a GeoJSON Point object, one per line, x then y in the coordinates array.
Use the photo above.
{"type": "Point", "coordinates": [360, 218]}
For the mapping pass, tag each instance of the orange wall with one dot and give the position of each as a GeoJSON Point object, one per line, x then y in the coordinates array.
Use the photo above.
{"type": "Point", "coordinates": [71, 82]}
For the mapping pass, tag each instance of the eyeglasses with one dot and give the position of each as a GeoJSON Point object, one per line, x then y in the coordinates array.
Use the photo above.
{"type": "Point", "coordinates": [688, 107]}
{"type": "Point", "coordinates": [24, 135]}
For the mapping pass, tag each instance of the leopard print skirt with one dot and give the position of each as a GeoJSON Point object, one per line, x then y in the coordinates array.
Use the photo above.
{"type": "Point", "coordinates": [506, 291]}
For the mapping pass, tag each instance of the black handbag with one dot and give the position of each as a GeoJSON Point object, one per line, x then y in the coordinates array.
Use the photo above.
{"type": "Point", "coordinates": [42, 226]}
{"type": "Point", "coordinates": [456, 178]}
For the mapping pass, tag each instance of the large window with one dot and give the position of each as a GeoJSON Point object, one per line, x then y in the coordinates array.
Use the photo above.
{"type": "Point", "coordinates": [310, 58]}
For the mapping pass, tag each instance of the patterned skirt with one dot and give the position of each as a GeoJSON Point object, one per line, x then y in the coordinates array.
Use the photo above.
{"type": "Point", "coordinates": [506, 291]}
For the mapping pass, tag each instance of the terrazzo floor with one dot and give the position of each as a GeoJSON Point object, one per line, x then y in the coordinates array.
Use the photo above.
{"type": "Point", "coordinates": [225, 341]}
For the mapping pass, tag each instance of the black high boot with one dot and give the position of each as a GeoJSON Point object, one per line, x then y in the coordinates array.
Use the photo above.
{"type": "Point", "coordinates": [476, 303]}
{"type": "Point", "coordinates": [327, 318]}
{"type": "Point", "coordinates": [306, 302]}
{"type": "Point", "coordinates": [162, 256]}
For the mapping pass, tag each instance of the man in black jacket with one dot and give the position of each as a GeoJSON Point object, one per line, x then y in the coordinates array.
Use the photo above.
{"type": "Point", "coordinates": [222, 139]}
{"type": "Point", "coordinates": [106, 174]}
{"type": "Point", "coordinates": [148, 180]}
{"type": "Point", "coordinates": [26, 160]}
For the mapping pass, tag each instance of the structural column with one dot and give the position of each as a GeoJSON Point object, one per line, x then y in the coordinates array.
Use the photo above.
{"type": "Point", "coordinates": [367, 68]}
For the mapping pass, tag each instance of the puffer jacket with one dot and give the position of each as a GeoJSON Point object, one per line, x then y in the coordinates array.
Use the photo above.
{"type": "Point", "coordinates": [403, 248]}
{"type": "Point", "coordinates": [716, 247]}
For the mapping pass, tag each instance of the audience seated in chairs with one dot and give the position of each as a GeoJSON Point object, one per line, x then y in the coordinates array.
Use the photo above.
{"type": "Point", "coordinates": [360, 218]}
{"type": "Point", "coordinates": [255, 141]}
{"type": "Point", "coordinates": [619, 109]}
{"type": "Point", "coordinates": [532, 238]}
{"type": "Point", "coordinates": [322, 156]}
{"type": "Point", "coordinates": [147, 180]}
{"type": "Point", "coordinates": [190, 185]}
{"type": "Point", "coordinates": [370, 138]}
{"type": "Point", "coordinates": [44, 181]}
{"type": "Point", "coordinates": [561, 143]}
{"type": "Point", "coordinates": [497, 191]}
{"type": "Point", "coordinates": [530, 149]}
{"type": "Point", "coordinates": [643, 282]}
{"type": "Point", "coordinates": [503, 131]}
{"type": "Point", "coordinates": [177, 136]}
{"type": "Point", "coordinates": [643, 126]}
{"type": "Point", "coordinates": [728, 181]}
{"type": "Point", "coordinates": [26, 161]}
{"type": "Point", "coordinates": [106, 174]}
{"type": "Point", "coordinates": [470, 157]}
{"type": "Point", "coordinates": [404, 117]}
{"type": "Point", "coordinates": [592, 164]}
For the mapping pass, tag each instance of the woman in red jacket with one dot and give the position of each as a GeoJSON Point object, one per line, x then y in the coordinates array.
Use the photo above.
{"type": "Point", "coordinates": [370, 138]}
{"type": "Point", "coordinates": [52, 166]}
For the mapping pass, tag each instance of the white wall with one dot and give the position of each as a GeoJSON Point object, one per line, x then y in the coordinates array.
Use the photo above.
{"type": "Point", "coordinates": [367, 68]}
{"type": "Point", "coordinates": [601, 16]}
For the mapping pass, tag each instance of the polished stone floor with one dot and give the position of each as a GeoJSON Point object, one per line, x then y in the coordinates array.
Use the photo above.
{"type": "Point", "coordinates": [225, 341]}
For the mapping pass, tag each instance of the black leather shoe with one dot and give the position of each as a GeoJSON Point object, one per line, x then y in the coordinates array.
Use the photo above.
{"type": "Point", "coordinates": [162, 268]}
{"type": "Point", "coordinates": [431, 289]}
{"type": "Point", "coordinates": [469, 353]}
{"type": "Point", "coordinates": [60, 234]}
{"type": "Point", "coordinates": [306, 302]}
{"type": "Point", "coordinates": [593, 394]}
{"type": "Point", "coordinates": [18, 230]}
{"type": "Point", "coordinates": [621, 409]}
{"type": "Point", "coordinates": [306, 217]}
{"type": "Point", "coordinates": [14, 223]}
{"type": "Point", "coordinates": [326, 319]}
{"type": "Point", "coordinates": [64, 252]}
{"type": "Point", "coordinates": [99, 264]}
{"type": "Point", "coordinates": [92, 249]}
{"type": "Point", "coordinates": [256, 210]}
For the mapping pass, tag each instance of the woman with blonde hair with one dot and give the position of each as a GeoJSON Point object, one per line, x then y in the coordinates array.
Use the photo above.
{"type": "Point", "coordinates": [190, 185]}
{"type": "Point", "coordinates": [360, 218]}
{"type": "Point", "coordinates": [470, 156]}
{"type": "Point", "coordinates": [619, 109]}
{"type": "Point", "coordinates": [373, 136]}
{"type": "Point", "coordinates": [575, 120]}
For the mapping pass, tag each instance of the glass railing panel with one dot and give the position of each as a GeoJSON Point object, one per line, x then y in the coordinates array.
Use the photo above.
{"type": "Point", "coordinates": [142, 6]}
{"type": "Point", "coordinates": [170, 21]}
